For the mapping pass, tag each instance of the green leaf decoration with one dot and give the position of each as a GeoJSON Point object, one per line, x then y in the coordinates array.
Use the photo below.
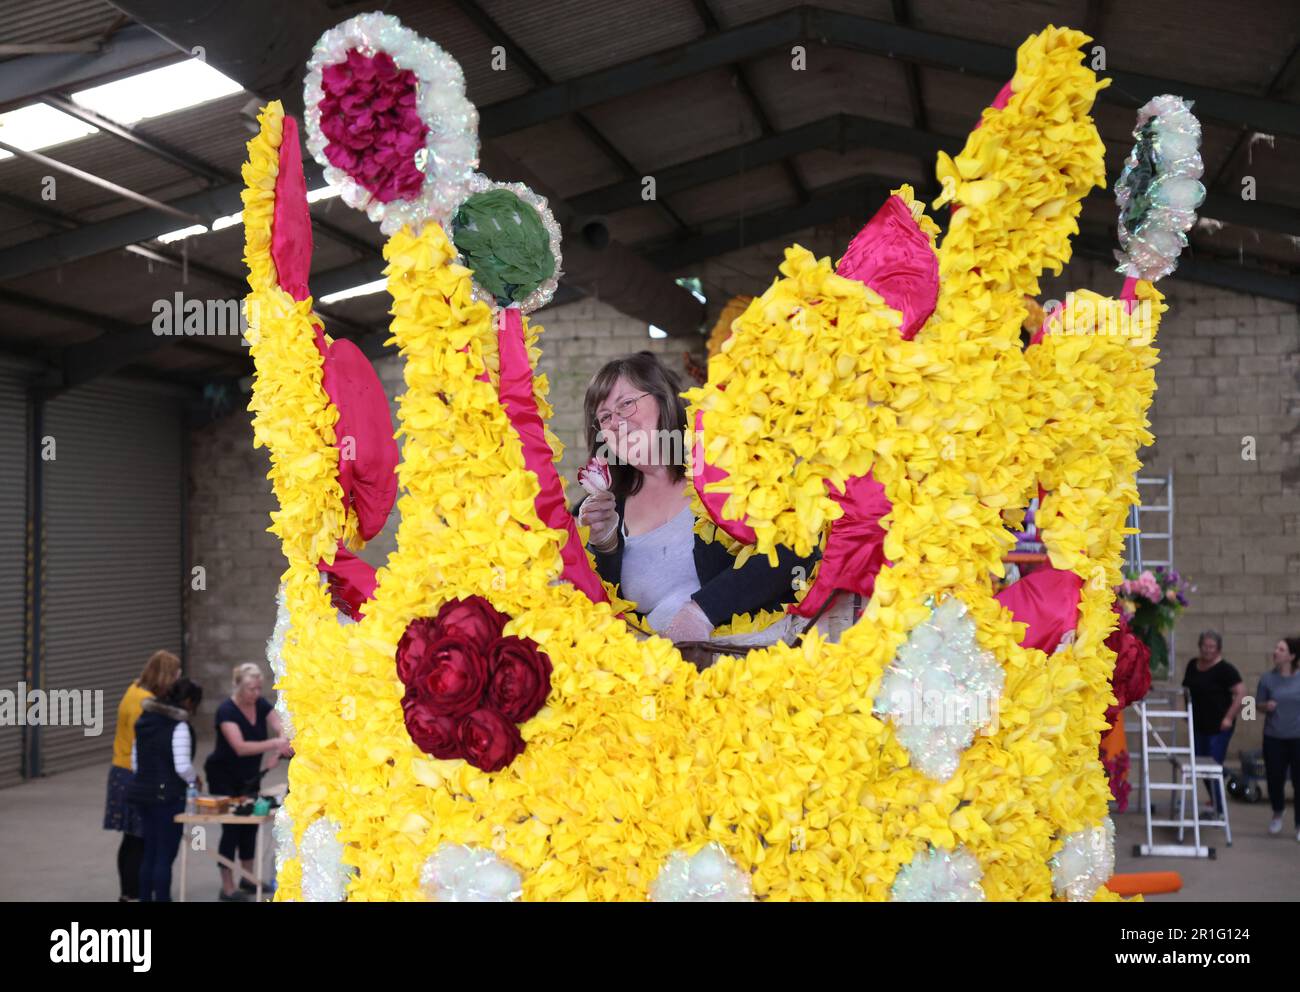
{"type": "Point", "coordinates": [504, 242]}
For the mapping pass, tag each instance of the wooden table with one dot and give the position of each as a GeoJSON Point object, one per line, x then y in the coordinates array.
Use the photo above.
{"type": "Point", "coordinates": [216, 819]}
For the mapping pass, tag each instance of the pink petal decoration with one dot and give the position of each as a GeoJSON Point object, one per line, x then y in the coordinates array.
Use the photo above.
{"type": "Point", "coordinates": [892, 255]}
{"type": "Point", "coordinates": [855, 547]}
{"type": "Point", "coordinates": [702, 473]}
{"type": "Point", "coordinates": [516, 392]}
{"type": "Point", "coordinates": [369, 478]}
{"type": "Point", "coordinates": [1046, 599]}
{"type": "Point", "coordinates": [352, 581]}
{"type": "Point", "coordinates": [291, 242]}
{"type": "Point", "coordinates": [369, 115]}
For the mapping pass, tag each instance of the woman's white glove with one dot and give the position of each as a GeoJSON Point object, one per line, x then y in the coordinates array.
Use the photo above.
{"type": "Point", "coordinates": [599, 514]}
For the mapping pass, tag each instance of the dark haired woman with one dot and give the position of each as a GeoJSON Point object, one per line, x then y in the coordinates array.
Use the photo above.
{"type": "Point", "coordinates": [163, 760]}
{"type": "Point", "coordinates": [1278, 696]}
{"type": "Point", "coordinates": [642, 529]}
{"type": "Point", "coordinates": [1217, 693]}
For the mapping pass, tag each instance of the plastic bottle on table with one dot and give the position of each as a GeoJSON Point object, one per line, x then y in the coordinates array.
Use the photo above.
{"type": "Point", "coordinates": [192, 798]}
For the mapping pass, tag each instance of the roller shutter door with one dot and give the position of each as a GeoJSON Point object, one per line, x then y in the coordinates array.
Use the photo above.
{"type": "Point", "coordinates": [13, 556]}
{"type": "Point", "coordinates": [113, 581]}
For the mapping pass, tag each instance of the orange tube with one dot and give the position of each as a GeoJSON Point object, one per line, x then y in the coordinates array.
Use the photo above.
{"type": "Point", "coordinates": [1145, 883]}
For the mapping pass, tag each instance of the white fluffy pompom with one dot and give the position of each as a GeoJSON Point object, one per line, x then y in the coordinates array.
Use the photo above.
{"type": "Point", "coordinates": [457, 873]}
{"type": "Point", "coordinates": [707, 876]}
{"type": "Point", "coordinates": [940, 689]}
{"type": "Point", "coordinates": [1085, 862]}
{"type": "Point", "coordinates": [939, 876]}
{"type": "Point", "coordinates": [275, 658]}
{"type": "Point", "coordinates": [324, 875]}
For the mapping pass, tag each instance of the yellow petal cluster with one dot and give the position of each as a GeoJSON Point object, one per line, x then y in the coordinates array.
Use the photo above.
{"type": "Point", "coordinates": [777, 756]}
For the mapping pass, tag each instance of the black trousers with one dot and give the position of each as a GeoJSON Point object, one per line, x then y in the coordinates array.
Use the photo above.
{"type": "Point", "coordinates": [129, 855]}
{"type": "Point", "coordinates": [1279, 754]}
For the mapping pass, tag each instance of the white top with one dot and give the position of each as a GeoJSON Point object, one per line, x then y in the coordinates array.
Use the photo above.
{"type": "Point", "coordinates": [659, 569]}
{"type": "Point", "coordinates": [180, 752]}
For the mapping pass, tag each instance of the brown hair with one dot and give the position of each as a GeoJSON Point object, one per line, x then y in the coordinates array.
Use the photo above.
{"type": "Point", "coordinates": [647, 373]}
{"type": "Point", "coordinates": [1293, 645]}
{"type": "Point", "coordinates": [160, 673]}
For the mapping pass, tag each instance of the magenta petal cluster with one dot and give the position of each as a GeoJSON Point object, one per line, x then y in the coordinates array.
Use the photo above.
{"type": "Point", "coordinates": [368, 113]}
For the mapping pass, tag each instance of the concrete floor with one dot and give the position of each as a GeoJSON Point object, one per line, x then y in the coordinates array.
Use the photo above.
{"type": "Point", "coordinates": [52, 848]}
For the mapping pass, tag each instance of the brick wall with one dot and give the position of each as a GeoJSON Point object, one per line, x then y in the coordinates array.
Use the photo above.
{"type": "Point", "coordinates": [1229, 368]}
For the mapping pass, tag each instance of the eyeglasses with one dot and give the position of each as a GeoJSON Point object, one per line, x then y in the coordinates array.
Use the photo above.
{"type": "Point", "coordinates": [622, 409]}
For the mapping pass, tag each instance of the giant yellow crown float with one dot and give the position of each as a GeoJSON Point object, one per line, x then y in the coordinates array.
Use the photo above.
{"type": "Point", "coordinates": [783, 774]}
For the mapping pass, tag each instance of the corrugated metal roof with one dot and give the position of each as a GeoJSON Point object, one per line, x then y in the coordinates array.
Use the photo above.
{"type": "Point", "coordinates": [834, 81]}
{"type": "Point", "coordinates": [561, 155]}
{"type": "Point", "coordinates": [447, 25]}
{"type": "Point", "coordinates": [25, 21]}
{"type": "Point", "coordinates": [571, 38]}
{"type": "Point", "coordinates": [721, 203]}
{"type": "Point", "coordinates": [732, 12]}
{"type": "Point", "coordinates": [661, 125]}
{"type": "Point", "coordinates": [679, 121]}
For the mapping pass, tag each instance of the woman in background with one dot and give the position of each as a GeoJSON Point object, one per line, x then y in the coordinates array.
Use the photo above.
{"type": "Point", "coordinates": [1278, 696]}
{"type": "Point", "coordinates": [162, 758]}
{"type": "Point", "coordinates": [1217, 692]}
{"type": "Point", "coordinates": [160, 673]}
{"type": "Point", "coordinates": [247, 728]}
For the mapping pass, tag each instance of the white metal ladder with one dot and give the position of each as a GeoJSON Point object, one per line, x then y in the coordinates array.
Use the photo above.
{"type": "Point", "coordinates": [1153, 544]}
{"type": "Point", "coordinates": [1168, 713]}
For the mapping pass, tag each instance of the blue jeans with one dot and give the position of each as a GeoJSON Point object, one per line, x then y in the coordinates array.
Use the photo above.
{"type": "Point", "coordinates": [162, 837]}
{"type": "Point", "coordinates": [1214, 746]}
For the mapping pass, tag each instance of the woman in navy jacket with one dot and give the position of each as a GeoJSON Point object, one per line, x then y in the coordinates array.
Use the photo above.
{"type": "Point", "coordinates": [163, 761]}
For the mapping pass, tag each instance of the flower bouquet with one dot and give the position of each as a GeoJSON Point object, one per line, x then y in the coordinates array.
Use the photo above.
{"type": "Point", "coordinates": [1151, 601]}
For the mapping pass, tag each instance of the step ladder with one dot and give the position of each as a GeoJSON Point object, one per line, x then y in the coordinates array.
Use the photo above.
{"type": "Point", "coordinates": [1165, 721]}
{"type": "Point", "coordinates": [1153, 544]}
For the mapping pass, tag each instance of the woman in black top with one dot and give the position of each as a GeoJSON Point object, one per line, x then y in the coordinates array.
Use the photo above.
{"type": "Point", "coordinates": [1217, 691]}
{"type": "Point", "coordinates": [247, 728]}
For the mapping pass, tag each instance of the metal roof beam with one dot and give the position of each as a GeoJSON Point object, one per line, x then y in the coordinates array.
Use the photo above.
{"type": "Point", "coordinates": [809, 24]}
{"type": "Point", "coordinates": [838, 132]}
{"type": "Point", "coordinates": [865, 196]}
{"type": "Point", "coordinates": [134, 48]}
{"type": "Point", "coordinates": [118, 232]}
{"type": "Point", "coordinates": [159, 149]}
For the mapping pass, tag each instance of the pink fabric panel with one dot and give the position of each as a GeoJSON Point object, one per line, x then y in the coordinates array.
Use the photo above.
{"type": "Point", "coordinates": [702, 473]}
{"type": "Point", "coordinates": [855, 548]}
{"type": "Point", "coordinates": [892, 255]}
{"type": "Point", "coordinates": [369, 479]}
{"type": "Point", "coordinates": [291, 222]}
{"type": "Point", "coordinates": [1048, 601]}
{"type": "Point", "coordinates": [352, 581]}
{"type": "Point", "coordinates": [516, 392]}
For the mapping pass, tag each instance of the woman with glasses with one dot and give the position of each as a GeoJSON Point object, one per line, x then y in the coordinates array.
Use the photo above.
{"type": "Point", "coordinates": [642, 529]}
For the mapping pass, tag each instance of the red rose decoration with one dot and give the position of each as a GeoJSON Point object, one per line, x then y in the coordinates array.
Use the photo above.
{"type": "Point", "coordinates": [520, 678]}
{"type": "Point", "coordinates": [488, 740]}
{"type": "Point", "coordinates": [472, 620]}
{"type": "Point", "coordinates": [467, 686]}
{"type": "Point", "coordinates": [1131, 679]}
{"type": "Point", "coordinates": [454, 683]}
{"type": "Point", "coordinates": [413, 657]}
{"type": "Point", "coordinates": [433, 734]}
